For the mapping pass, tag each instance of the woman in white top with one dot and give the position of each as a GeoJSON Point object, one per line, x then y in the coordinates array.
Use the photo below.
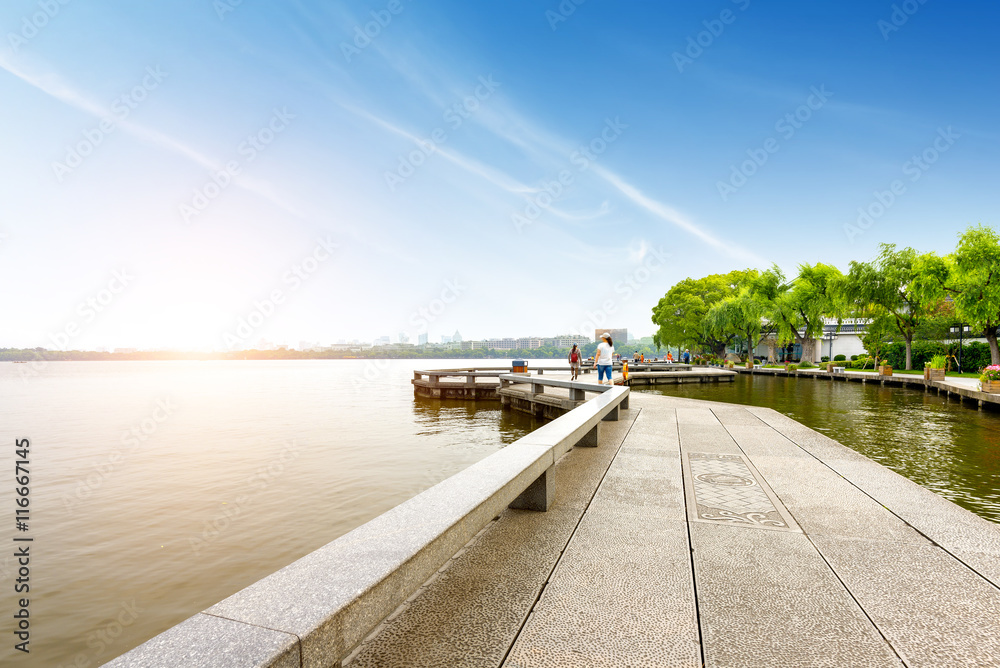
{"type": "Point", "coordinates": [603, 358]}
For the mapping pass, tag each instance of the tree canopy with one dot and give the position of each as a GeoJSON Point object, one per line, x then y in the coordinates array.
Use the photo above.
{"type": "Point", "coordinates": [681, 313]}
{"type": "Point", "coordinates": [891, 285]}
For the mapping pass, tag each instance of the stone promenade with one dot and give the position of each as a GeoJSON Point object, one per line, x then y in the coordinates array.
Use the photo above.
{"type": "Point", "coordinates": [701, 533]}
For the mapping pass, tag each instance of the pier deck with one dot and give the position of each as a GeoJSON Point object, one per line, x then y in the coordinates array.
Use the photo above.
{"type": "Point", "coordinates": [701, 533]}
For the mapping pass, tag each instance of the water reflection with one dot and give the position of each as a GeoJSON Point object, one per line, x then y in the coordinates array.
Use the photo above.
{"type": "Point", "coordinates": [457, 422]}
{"type": "Point", "coordinates": [951, 449]}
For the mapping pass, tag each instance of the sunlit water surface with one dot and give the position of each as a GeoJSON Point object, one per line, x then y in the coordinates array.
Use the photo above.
{"type": "Point", "coordinates": [238, 469]}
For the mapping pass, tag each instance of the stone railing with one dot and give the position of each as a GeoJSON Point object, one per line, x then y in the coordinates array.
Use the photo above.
{"type": "Point", "coordinates": [313, 612]}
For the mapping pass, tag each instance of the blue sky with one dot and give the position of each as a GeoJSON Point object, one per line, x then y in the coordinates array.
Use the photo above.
{"type": "Point", "coordinates": [207, 174]}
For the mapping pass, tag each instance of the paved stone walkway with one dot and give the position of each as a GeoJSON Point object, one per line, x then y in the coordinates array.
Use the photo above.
{"type": "Point", "coordinates": [701, 533]}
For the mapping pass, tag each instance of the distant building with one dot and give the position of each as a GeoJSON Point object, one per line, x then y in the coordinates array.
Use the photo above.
{"type": "Point", "coordinates": [619, 336]}
{"type": "Point", "coordinates": [382, 341]}
{"type": "Point", "coordinates": [422, 339]}
{"type": "Point", "coordinates": [404, 337]}
{"type": "Point", "coordinates": [456, 337]}
{"type": "Point", "coordinates": [566, 341]}
{"type": "Point", "coordinates": [352, 347]}
{"type": "Point", "coordinates": [445, 338]}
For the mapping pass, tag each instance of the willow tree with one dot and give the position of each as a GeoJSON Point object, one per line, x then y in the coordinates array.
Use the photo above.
{"type": "Point", "coordinates": [680, 314]}
{"type": "Point", "coordinates": [745, 313]}
{"type": "Point", "coordinates": [971, 277]}
{"type": "Point", "coordinates": [891, 285]}
{"type": "Point", "coordinates": [798, 313]}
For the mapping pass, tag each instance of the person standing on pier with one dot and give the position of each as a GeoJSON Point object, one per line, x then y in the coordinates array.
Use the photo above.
{"type": "Point", "coordinates": [574, 362]}
{"type": "Point", "coordinates": [603, 358]}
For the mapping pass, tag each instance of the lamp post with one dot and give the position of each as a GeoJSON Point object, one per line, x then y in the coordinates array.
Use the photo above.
{"type": "Point", "coordinates": [830, 336]}
{"type": "Point", "coordinates": [961, 329]}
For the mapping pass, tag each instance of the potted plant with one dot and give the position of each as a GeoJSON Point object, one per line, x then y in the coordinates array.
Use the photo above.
{"type": "Point", "coordinates": [989, 379]}
{"type": "Point", "coordinates": [934, 370]}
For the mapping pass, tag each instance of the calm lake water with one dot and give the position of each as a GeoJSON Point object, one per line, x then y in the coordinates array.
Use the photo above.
{"type": "Point", "coordinates": [234, 470]}
{"type": "Point", "coordinates": [947, 447]}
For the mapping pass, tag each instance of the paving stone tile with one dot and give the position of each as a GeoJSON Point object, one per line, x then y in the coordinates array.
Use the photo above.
{"type": "Point", "coordinates": [767, 598]}
{"type": "Point", "coordinates": [933, 609]}
{"type": "Point", "coordinates": [622, 596]}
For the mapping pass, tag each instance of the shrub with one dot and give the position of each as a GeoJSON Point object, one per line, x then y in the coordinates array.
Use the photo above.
{"type": "Point", "coordinates": [854, 358]}
{"type": "Point", "coordinates": [806, 365]}
{"type": "Point", "coordinates": [824, 358]}
{"type": "Point", "coordinates": [975, 355]}
{"type": "Point", "coordinates": [842, 358]}
{"type": "Point", "coordinates": [921, 352]}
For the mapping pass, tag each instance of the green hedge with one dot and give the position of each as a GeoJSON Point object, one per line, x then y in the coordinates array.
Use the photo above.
{"type": "Point", "coordinates": [842, 358]}
{"type": "Point", "coordinates": [975, 355]}
{"type": "Point", "coordinates": [923, 351]}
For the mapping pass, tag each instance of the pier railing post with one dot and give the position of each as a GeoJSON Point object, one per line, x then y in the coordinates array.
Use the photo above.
{"type": "Point", "coordinates": [589, 440]}
{"type": "Point", "coordinates": [539, 494]}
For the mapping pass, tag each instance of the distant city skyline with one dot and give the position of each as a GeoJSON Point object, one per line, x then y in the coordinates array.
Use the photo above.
{"type": "Point", "coordinates": [176, 176]}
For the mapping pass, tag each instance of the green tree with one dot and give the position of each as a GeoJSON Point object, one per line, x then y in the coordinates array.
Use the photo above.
{"type": "Point", "coordinates": [877, 336]}
{"type": "Point", "coordinates": [798, 312]}
{"type": "Point", "coordinates": [890, 284]}
{"type": "Point", "coordinates": [971, 277]}
{"type": "Point", "coordinates": [680, 314]}
{"type": "Point", "coordinates": [744, 314]}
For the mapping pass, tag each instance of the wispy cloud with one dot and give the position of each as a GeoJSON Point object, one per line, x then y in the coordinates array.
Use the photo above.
{"type": "Point", "coordinates": [52, 85]}
{"type": "Point", "coordinates": [492, 175]}
{"type": "Point", "coordinates": [673, 216]}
